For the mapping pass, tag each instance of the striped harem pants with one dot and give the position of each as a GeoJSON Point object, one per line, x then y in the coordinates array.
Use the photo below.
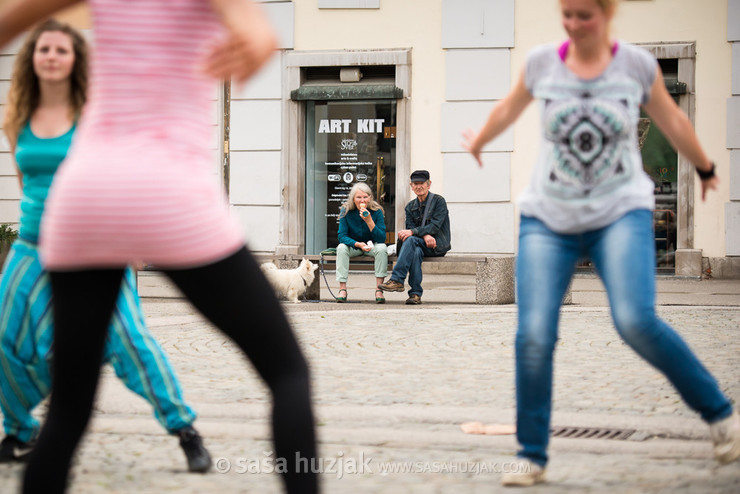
{"type": "Point", "coordinates": [26, 337]}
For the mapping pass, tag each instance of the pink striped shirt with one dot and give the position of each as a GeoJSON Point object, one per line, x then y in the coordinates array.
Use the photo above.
{"type": "Point", "coordinates": [136, 185]}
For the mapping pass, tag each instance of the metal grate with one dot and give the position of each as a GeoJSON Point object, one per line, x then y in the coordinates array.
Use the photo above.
{"type": "Point", "coordinates": [592, 433]}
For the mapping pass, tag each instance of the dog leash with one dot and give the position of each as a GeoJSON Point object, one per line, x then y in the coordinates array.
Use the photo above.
{"type": "Point", "coordinates": [331, 251]}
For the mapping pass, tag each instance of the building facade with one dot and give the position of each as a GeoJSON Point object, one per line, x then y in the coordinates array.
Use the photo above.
{"type": "Point", "coordinates": [370, 90]}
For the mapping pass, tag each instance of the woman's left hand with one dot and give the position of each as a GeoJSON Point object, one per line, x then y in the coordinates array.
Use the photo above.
{"type": "Point", "coordinates": [469, 139]}
{"type": "Point", "coordinates": [710, 183]}
{"type": "Point", "coordinates": [365, 215]}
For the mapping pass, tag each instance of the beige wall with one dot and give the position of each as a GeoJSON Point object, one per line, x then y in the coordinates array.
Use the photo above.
{"type": "Point", "coordinates": [412, 24]}
{"type": "Point", "coordinates": [78, 16]}
{"type": "Point", "coordinates": [650, 21]}
{"type": "Point", "coordinates": [416, 24]}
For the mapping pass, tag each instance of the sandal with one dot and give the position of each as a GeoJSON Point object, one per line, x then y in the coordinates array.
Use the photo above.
{"type": "Point", "coordinates": [381, 299]}
{"type": "Point", "coordinates": [341, 300]}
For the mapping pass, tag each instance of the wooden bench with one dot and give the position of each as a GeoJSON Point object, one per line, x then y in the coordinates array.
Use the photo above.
{"type": "Point", "coordinates": [494, 277]}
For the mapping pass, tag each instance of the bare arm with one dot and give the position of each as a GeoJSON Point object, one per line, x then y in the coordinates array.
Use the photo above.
{"type": "Point", "coordinates": [502, 115]}
{"type": "Point", "coordinates": [18, 15]}
{"type": "Point", "coordinates": [11, 140]}
{"type": "Point", "coordinates": [20, 177]}
{"type": "Point", "coordinates": [250, 44]}
{"type": "Point", "coordinates": [678, 129]}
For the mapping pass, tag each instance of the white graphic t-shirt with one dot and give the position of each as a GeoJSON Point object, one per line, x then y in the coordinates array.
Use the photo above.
{"type": "Point", "coordinates": [589, 172]}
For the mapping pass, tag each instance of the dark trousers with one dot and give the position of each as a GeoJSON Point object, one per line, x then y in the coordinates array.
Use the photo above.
{"type": "Point", "coordinates": [235, 296]}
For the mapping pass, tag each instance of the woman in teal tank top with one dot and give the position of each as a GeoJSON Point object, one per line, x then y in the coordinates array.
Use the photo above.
{"type": "Point", "coordinates": [46, 97]}
{"type": "Point", "coordinates": [38, 159]}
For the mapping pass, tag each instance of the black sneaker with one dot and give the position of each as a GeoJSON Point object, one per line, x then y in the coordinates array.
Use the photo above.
{"type": "Point", "coordinates": [13, 449]}
{"type": "Point", "coordinates": [413, 299]}
{"type": "Point", "coordinates": [199, 460]}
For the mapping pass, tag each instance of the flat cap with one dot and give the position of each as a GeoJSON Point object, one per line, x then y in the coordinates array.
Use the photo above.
{"type": "Point", "coordinates": [420, 176]}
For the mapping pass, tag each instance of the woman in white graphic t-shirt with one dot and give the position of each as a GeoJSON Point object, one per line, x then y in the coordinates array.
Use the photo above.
{"type": "Point", "coordinates": [589, 197]}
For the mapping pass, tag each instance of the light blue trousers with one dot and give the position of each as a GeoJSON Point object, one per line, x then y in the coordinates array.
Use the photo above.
{"type": "Point", "coordinates": [345, 252]}
{"type": "Point", "coordinates": [26, 335]}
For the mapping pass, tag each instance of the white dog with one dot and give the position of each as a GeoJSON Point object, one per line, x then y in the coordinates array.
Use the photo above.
{"type": "Point", "coordinates": [290, 283]}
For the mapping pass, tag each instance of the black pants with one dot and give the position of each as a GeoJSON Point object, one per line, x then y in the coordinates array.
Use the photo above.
{"type": "Point", "coordinates": [235, 296]}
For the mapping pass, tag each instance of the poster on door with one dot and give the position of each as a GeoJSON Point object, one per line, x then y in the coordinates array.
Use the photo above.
{"type": "Point", "coordinates": [357, 138]}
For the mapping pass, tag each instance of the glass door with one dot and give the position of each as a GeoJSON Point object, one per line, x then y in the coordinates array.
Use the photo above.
{"type": "Point", "coordinates": [347, 142]}
{"type": "Point", "coordinates": [660, 161]}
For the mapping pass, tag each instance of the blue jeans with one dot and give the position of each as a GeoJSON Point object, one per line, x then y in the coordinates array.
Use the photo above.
{"type": "Point", "coordinates": [413, 250]}
{"type": "Point", "coordinates": [624, 256]}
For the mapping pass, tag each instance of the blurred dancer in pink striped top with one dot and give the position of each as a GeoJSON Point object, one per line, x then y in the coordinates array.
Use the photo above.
{"type": "Point", "coordinates": [136, 187]}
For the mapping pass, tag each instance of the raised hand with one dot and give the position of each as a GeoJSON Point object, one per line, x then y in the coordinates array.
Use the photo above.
{"type": "Point", "coordinates": [249, 44]}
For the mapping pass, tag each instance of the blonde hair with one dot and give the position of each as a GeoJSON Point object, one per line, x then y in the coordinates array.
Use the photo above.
{"type": "Point", "coordinates": [607, 5]}
{"type": "Point", "coordinates": [24, 92]}
{"type": "Point", "coordinates": [372, 204]}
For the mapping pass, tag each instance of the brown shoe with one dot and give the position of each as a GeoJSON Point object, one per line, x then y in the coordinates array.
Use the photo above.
{"type": "Point", "coordinates": [413, 300]}
{"type": "Point", "coordinates": [391, 286]}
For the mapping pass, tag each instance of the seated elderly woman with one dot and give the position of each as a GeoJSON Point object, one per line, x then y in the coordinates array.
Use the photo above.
{"type": "Point", "coordinates": [361, 233]}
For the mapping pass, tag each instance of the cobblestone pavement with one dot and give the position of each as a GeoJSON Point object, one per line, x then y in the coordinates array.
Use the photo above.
{"type": "Point", "coordinates": [392, 387]}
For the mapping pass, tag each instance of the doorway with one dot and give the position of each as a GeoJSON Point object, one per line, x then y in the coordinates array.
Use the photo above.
{"type": "Point", "coordinates": [660, 162]}
{"type": "Point", "coordinates": [347, 141]}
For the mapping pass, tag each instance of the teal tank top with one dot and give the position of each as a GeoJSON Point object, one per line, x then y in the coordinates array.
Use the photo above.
{"type": "Point", "coordinates": [38, 159]}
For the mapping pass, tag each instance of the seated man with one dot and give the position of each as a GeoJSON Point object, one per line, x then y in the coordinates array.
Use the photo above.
{"type": "Point", "coordinates": [427, 234]}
